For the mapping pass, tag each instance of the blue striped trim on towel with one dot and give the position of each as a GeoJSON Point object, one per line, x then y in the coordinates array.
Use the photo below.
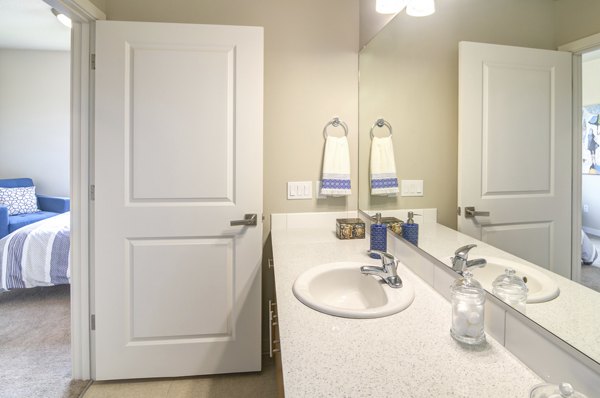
{"type": "Point", "coordinates": [384, 183]}
{"type": "Point", "coordinates": [336, 184]}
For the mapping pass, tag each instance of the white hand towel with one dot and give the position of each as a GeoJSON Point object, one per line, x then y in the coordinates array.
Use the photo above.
{"type": "Point", "coordinates": [336, 167]}
{"type": "Point", "coordinates": [384, 180]}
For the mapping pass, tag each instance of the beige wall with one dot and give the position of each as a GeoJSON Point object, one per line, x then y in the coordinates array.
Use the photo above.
{"type": "Point", "coordinates": [576, 19]}
{"type": "Point", "coordinates": [409, 76]}
{"type": "Point", "coordinates": [311, 68]}
{"type": "Point", "coordinates": [370, 21]}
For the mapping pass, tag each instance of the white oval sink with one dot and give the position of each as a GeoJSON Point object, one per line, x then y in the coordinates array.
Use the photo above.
{"type": "Point", "coordinates": [340, 289]}
{"type": "Point", "coordinates": [541, 287]}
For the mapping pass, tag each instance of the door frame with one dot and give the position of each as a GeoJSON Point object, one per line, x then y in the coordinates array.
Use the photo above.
{"type": "Point", "coordinates": [83, 14]}
{"type": "Point", "coordinates": [577, 48]}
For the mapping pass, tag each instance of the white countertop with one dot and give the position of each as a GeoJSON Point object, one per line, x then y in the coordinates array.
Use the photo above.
{"type": "Point", "coordinates": [409, 354]}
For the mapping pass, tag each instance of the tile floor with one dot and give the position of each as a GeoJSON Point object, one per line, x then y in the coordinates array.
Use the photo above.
{"type": "Point", "coordinates": [242, 385]}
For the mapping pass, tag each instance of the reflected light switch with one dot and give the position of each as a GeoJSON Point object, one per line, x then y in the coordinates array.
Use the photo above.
{"type": "Point", "coordinates": [411, 188]}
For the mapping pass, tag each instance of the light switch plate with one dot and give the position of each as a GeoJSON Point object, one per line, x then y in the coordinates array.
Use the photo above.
{"type": "Point", "coordinates": [299, 190]}
{"type": "Point", "coordinates": [411, 188]}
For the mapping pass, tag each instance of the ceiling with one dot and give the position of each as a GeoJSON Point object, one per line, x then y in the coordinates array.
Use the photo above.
{"type": "Point", "coordinates": [30, 24]}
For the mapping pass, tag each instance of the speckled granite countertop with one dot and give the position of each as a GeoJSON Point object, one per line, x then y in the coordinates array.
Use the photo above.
{"type": "Point", "coordinates": [409, 354]}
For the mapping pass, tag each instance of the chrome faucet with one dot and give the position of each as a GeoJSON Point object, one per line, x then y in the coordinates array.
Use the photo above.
{"type": "Point", "coordinates": [460, 263]}
{"type": "Point", "coordinates": [387, 271]}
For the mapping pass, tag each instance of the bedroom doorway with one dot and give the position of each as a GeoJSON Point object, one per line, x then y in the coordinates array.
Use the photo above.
{"type": "Point", "coordinates": [35, 115]}
{"type": "Point", "coordinates": [590, 184]}
{"type": "Point", "coordinates": [586, 111]}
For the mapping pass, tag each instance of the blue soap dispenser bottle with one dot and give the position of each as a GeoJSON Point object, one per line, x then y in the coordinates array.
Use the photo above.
{"type": "Point", "coordinates": [410, 230]}
{"type": "Point", "coordinates": [378, 236]}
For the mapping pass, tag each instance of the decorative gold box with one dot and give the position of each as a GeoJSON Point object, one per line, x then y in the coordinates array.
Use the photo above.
{"type": "Point", "coordinates": [394, 224]}
{"type": "Point", "coordinates": [350, 228]}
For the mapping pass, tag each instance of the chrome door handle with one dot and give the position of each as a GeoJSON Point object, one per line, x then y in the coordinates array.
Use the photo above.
{"type": "Point", "coordinates": [470, 212]}
{"type": "Point", "coordinates": [249, 220]}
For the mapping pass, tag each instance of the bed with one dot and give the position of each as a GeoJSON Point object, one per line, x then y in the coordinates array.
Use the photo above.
{"type": "Point", "coordinates": [36, 255]}
{"type": "Point", "coordinates": [589, 254]}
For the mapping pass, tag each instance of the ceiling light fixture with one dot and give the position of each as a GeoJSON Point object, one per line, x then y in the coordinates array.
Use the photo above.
{"type": "Point", "coordinates": [420, 8]}
{"type": "Point", "coordinates": [62, 18]}
{"type": "Point", "coordinates": [389, 6]}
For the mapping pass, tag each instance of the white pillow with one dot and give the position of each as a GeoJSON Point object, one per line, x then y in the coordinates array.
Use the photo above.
{"type": "Point", "coordinates": [19, 200]}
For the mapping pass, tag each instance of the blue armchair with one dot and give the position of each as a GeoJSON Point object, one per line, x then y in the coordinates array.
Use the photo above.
{"type": "Point", "coordinates": [50, 206]}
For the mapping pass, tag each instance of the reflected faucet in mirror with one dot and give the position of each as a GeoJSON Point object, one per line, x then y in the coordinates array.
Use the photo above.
{"type": "Point", "coordinates": [460, 261]}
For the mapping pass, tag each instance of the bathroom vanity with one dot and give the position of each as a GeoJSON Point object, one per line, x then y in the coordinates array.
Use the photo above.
{"type": "Point", "coordinates": [408, 354]}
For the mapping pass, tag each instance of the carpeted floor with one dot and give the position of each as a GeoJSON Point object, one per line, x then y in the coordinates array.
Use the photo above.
{"type": "Point", "coordinates": [35, 346]}
{"type": "Point", "coordinates": [590, 277]}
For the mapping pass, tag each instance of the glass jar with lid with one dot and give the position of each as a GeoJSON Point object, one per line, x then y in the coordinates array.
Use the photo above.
{"type": "Point", "coordinates": [468, 299]}
{"type": "Point", "coordinates": [511, 289]}
{"type": "Point", "coordinates": [547, 390]}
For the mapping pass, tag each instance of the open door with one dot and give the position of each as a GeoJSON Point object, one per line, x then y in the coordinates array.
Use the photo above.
{"type": "Point", "coordinates": [514, 157]}
{"type": "Point", "coordinates": [178, 157]}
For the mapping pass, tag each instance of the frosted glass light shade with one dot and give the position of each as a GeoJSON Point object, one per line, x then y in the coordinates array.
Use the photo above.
{"type": "Point", "coordinates": [62, 18]}
{"type": "Point", "coordinates": [389, 6]}
{"type": "Point", "coordinates": [420, 8]}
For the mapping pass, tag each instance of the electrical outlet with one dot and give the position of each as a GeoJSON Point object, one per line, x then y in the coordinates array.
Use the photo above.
{"type": "Point", "coordinates": [586, 208]}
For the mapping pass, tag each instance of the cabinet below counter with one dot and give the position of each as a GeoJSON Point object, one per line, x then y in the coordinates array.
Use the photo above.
{"type": "Point", "coordinates": [408, 354]}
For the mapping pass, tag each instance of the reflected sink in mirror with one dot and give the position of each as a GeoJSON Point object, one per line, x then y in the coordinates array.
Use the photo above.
{"type": "Point", "coordinates": [340, 289]}
{"type": "Point", "coordinates": [541, 287]}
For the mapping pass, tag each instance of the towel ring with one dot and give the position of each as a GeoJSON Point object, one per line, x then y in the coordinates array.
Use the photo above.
{"type": "Point", "coordinates": [335, 122]}
{"type": "Point", "coordinates": [381, 123]}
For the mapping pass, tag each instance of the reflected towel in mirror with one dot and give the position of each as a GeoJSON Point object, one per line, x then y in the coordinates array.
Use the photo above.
{"type": "Point", "coordinates": [384, 180]}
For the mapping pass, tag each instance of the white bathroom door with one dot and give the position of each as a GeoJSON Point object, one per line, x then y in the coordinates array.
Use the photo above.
{"type": "Point", "coordinates": [515, 151]}
{"type": "Point", "coordinates": [178, 155]}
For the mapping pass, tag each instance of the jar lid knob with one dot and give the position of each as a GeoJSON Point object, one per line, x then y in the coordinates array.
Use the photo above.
{"type": "Point", "coordinates": [566, 390]}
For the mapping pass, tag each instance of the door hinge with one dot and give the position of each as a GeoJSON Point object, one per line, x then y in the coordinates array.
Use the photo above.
{"type": "Point", "coordinates": [458, 211]}
{"type": "Point", "coordinates": [93, 61]}
{"type": "Point", "coordinates": [93, 322]}
{"type": "Point", "coordinates": [92, 192]}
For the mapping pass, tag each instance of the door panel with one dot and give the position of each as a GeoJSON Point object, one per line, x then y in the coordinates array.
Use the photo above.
{"type": "Point", "coordinates": [515, 150]}
{"type": "Point", "coordinates": [178, 155]}
{"type": "Point", "coordinates": [520, 238]}
{"type": "Point", "coordinates": [202, 286]}
{"type": "Point", "coordinates": [204, 112]}
{"type": "Point", "coordinates": [516, 157]}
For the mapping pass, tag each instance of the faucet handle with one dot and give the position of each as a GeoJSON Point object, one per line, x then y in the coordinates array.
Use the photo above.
{"type": "Point", "coordinates": [463, 251]}
{"type": "Point", "coordinates": [384, 256]}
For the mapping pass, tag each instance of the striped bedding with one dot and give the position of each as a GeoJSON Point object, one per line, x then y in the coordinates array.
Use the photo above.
{"type": "Point", "coordinates": [36, 255]}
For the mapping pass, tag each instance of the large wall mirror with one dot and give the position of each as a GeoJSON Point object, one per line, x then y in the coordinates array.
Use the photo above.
{"type": "Point", "coordinates": [491, 129]}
